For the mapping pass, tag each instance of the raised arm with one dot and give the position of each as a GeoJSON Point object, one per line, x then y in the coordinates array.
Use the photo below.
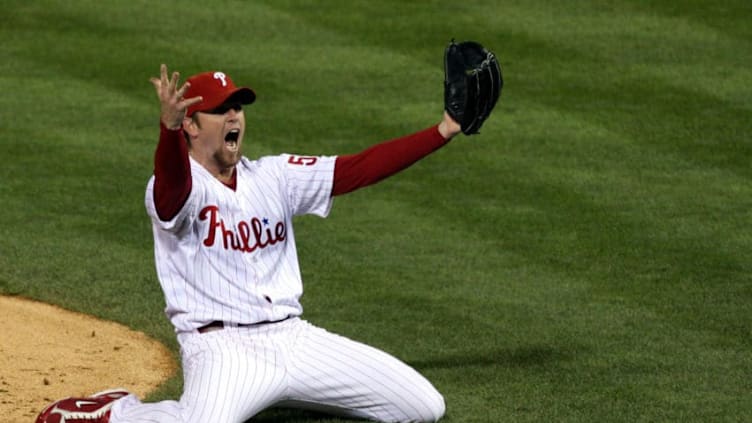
{"type": "Point", "coordinates": [172, 169]}
{"type": "Point", "coordinates": [385, 159]}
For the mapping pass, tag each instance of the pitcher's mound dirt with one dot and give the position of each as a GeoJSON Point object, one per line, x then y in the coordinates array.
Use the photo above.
{"type": "Point", "coordinates": [47, 353]}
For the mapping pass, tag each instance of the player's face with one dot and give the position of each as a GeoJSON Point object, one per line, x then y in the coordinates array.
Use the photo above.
{"type": "Point", "coordinates": [219, 136]}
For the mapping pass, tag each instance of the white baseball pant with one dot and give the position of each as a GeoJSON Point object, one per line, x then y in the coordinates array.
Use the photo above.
{"type": "Point", "coordinates": [233, 374]}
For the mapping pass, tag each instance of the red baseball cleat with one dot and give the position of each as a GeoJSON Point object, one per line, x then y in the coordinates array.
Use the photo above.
{"type": "Point", "coordinates": [111, 394]}
{"type": "Point", "coordinates": [93, 409]}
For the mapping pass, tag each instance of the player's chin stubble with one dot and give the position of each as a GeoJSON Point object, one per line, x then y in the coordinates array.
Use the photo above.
{"type": "Point", "coordinates": [228, 158]}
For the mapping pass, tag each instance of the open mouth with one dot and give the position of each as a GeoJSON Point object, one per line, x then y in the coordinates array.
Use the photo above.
{"type": "Point", "coordinates": [231, 139]}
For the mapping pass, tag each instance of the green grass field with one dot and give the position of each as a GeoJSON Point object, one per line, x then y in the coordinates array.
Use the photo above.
{"type": "Point", "coordinates": [587, 258]}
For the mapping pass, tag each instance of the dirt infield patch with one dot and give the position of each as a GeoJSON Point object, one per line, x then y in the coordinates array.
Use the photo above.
{"type": "Point", "coordinates": [47, 353]}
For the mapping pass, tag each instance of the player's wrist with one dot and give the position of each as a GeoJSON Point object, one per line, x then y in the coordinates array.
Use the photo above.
{"type": "Point", "coordinates": [448, 127]}
{"type": "Point", "coordinates": [168, 127]}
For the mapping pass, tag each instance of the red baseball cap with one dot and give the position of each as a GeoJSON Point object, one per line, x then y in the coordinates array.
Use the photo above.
{"type": "Point", "coordinates": [216, 88]}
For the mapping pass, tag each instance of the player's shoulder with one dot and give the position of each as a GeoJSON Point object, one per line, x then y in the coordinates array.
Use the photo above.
{"type": "Point", "coordinates": [260, 163]}
{"type": "Point", "coordinates": [261, 168]}
{"type": "Point", "coordinates": [287, 163]}
{"type": "Point", "coordinates": [279, 161]}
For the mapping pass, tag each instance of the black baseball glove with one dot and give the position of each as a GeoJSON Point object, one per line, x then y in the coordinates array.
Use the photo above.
{"type": "Point", "coordinates": [472, 84]}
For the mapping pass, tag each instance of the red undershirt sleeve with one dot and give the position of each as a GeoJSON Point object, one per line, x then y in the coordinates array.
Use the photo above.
{"type": "Point", "coordinates": [172, 173]}
{"type": "Point", "coordinates": [383, 160]}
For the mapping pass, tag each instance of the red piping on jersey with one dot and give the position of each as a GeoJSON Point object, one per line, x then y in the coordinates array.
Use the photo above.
{"type": "Point", "coordinates": [172, 167]}
{"type": "Point", "coordinates": [383, 160]}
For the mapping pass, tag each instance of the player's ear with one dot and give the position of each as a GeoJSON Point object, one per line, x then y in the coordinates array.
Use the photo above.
{"type": "Point", "coordinates": [191, 126]}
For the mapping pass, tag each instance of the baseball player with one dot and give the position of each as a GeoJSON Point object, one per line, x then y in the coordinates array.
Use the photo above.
{"type": "Point", "coordinates": [225, 255]}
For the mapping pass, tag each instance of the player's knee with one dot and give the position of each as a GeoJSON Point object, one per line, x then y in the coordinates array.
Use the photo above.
{"type": "Point", "coordinates": [439, 410]}
{"type": "Point", "coordinates": [429, 409]}
{"type": "Point", "coordinates": [434, 408]}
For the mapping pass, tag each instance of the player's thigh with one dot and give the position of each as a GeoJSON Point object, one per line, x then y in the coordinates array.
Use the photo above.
{"type": "Point", "coordinates": [336, 374]}
{"type": "Point", "coordinates": [228, 377]}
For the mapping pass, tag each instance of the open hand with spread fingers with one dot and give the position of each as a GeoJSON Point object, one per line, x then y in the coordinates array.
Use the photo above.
{"type": "Point", "coordinates": [171, 98]}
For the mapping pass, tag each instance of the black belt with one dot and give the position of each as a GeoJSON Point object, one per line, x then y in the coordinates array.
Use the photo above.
{"type": "Point", "coordinates": [219, 325]}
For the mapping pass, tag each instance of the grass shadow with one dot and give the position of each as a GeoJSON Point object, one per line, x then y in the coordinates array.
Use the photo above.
{"type": "Point", "coordinates": [526, 356]}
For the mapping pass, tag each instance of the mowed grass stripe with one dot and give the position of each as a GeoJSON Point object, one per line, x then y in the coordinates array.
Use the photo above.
{"type": "Point", "coordinates": [590, 243]}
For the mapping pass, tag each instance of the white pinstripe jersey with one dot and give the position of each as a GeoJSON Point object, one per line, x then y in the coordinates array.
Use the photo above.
{"type": "Point", "coordinates": [230, 255]}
